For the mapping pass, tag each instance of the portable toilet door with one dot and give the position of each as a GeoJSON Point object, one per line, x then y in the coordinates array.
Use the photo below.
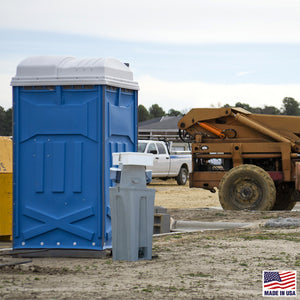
{"type": "Point", "coordinates": [69, 116]}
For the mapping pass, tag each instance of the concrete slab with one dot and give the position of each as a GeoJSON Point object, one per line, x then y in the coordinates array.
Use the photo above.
{"type": "Point", "coordinates": [296, 207]}
{"type": "Point", "coordinates": [283, 222]}
{"type": "Point", "coordinates": [190, 226]}
{"type": "Point", "coordinates": [70, 253]}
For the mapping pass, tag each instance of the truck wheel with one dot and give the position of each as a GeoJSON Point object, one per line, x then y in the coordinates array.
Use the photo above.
{"type": "Point", "coordinates": [182, 176]}
{"type": "Point", "coordinates": [285, 197]}
{"type": "Point", "coordinates": [247, 187]}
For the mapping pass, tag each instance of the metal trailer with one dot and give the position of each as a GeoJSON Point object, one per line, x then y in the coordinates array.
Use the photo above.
{"type": "Point", "coordinates": [253, 159]}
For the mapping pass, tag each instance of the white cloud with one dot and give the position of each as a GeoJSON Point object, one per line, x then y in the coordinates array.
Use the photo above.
{"type": "Point", "coordinates": [7, 71]}
{"type": "Point", "coordinates": [5, 91]}
{"type": "Point", "coordinates": [182, 95]}
{"type": "Point", "coordinates": [175, 21]}
{"type": "Point", "coordinates": [191, 94]}
{"type": "Point", "coordinates": [244, 73]}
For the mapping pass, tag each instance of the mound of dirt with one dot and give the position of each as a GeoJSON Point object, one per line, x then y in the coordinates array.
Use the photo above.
{"type": "Point", "coordinates": [170, 195]}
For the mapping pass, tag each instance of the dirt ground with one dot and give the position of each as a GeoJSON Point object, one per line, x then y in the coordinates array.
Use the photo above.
{"type": "Point", "coordinates": [225, 264]}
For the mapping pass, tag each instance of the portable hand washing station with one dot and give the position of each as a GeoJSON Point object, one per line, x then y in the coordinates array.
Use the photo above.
{"type": "Point", "coordinates": [132, 207]}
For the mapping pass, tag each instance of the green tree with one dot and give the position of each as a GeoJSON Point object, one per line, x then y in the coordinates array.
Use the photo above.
{"type": "Point", "coordinates": [156, 111]}
{"type": "Point", "coordinates": [290, 107]}
{"type": "Point", "coordinates": [8, 121]}
{"type": "Point", "coordinates": [5, 122]}
{"type": "Point", "coordinates": [256, 110]}
{"type": "Point", "coordinates": [270, 110]}
{"type": "Point", "coordinates": [143, 114]}
{"type": "Point", "coordinates": [2, 121]}
{"type": "Point", "coordinates": [173, 112]}
{"type": "Point", "coordinates": [244, 106]}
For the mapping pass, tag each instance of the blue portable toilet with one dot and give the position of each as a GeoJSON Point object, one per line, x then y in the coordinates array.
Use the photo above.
{"type": "Point", "coordinates": [70, 115]}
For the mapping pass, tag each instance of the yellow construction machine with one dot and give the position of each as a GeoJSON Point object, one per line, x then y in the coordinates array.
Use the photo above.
{"type": "Point", "coordinates": [253, 159]}
{"type": "Point", "coordinates": [6, 188]}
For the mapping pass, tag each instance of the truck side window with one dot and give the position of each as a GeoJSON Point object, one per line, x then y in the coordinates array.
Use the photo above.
{"type": "Point", "coordinates": [142, 147]}
{"type": "Point", "coordinates": [152, 148]}
{"type": "Point", "coordinates": [161, 148]}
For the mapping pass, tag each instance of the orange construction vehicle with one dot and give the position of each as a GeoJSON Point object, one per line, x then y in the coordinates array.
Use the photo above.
{"type": "Point", "coordinates": [253, 159]}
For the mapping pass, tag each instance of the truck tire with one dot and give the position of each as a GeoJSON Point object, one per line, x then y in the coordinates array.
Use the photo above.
{"type": "Point", "coordinates": [247, 187]}
{"type": "Point", "coordinates": [182, 176]}
{"type": "Point", "coordinates": [285, 197]}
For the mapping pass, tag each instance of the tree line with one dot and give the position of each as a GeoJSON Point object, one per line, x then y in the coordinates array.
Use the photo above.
{"type": "Point", "coordinates": [155, 111]}
{"type": "Point", "coordinates": [290, 107]}
{"type": "Point", "coordinates": [5, 121]}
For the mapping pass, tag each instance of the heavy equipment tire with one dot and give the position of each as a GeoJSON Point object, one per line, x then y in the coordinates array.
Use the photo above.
{"type": "Point", "coordinates": [247, 187]}
{"type": "Point", "coordinates": [285, 197]}
{"type": "Point", "coordinates": [182, 176]}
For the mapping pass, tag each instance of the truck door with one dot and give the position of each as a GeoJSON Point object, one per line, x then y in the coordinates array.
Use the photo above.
{"type": "Point", "coordinates": [161, 160]}
{"type": "Point", "coordinates": [151, 148]}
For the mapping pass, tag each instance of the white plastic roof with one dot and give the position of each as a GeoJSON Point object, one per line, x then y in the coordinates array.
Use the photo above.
{"type": "Point", "coordinates": [68, 70]}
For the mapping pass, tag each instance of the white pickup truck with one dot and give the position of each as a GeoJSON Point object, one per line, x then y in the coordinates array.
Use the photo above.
{"type": "Point", "coordinates": [166, 165]}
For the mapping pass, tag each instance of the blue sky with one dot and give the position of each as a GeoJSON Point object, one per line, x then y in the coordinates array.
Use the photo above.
{"type": "Point", "coordinates": [207, 55]}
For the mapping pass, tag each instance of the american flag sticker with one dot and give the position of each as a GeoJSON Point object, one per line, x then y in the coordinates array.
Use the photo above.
{"type": "Point", "coordinates": [279, 283]}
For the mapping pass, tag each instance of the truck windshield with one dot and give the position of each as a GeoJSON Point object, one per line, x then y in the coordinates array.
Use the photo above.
{"type": "Point", "coordinates": [142, 147]}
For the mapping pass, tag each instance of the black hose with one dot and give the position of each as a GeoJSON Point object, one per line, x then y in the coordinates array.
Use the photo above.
{"type": "Point", "coordinates": [181, 136]}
